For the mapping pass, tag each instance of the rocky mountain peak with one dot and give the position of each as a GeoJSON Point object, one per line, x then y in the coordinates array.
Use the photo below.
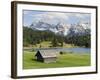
{"type": "Point", "coordinates": [61, 28]}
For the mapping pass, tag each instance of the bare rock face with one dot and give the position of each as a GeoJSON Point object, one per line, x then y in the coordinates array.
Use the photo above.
{"type": "Point", "coordinates": [62, 28]}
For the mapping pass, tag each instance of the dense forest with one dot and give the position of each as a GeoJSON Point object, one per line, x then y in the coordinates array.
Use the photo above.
{"type": "Point", "coordinates": [33, 37]}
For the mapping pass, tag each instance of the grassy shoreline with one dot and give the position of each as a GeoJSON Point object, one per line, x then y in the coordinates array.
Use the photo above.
{"type": "Point", "coordinates": [47, 44]}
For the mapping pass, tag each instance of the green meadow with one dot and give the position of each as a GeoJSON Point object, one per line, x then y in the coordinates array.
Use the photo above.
{"type": "Point", "coordinates": [47, 44]}
{"type": "Point", "coordinates": [64, 60]}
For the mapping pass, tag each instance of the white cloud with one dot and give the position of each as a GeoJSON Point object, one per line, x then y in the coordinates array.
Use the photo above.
{"type": "Point", "coordinates": [56, 17]}
{"type": "Point", "coordinates": [51, 17]}
{"type": "Point", "coordinates": [26, 12]}
{"type": "Point", "coordinates": [82, 16]}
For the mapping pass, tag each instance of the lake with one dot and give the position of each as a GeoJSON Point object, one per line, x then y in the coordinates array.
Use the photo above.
{"type": "Point", "coordinates": [71, 50]}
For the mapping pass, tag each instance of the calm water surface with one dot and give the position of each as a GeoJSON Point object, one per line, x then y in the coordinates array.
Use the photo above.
{"type": "Point", "coordinates": [72, 50]}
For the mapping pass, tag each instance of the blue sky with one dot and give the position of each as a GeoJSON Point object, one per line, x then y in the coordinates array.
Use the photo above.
{"type": "Point", "coordinates": [30, 17]}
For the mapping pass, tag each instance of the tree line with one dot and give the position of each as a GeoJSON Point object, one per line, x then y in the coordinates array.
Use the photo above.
{"type": "Point", "coordinates": [33, 37]}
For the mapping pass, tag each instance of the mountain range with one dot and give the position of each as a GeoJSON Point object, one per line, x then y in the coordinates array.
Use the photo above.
{"type": "Point", "coordinates": [62, 28]}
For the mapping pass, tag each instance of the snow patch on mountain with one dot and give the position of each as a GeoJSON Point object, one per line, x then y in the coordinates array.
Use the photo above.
{"type": "Point", "coordinates": [61, 28]}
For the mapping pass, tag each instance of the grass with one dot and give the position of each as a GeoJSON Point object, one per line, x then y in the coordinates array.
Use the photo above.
{"type": "Point", "coordinates": [47, 44]}
{"type": "Point", "coordinates": [64, 60]}
{"type": "Point", "coordinates": [44, 44]}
